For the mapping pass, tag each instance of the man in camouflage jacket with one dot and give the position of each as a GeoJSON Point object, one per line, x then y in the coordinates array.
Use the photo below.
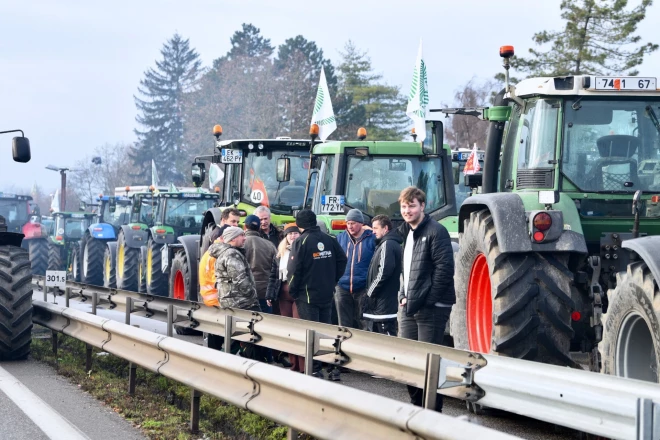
{"type": "Point", "coordinates": [236, 287]}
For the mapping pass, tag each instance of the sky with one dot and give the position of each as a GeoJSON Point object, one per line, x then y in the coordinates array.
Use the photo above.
{"type": "Point", "coordinates": [69, 68]}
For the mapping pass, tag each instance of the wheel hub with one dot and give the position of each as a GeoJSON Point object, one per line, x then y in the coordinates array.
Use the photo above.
{"type": "Point", "coordinates": [179, 288]}
{"type": "Point", "coordinates": [479, 308]}
{"type": "Point", "coordinates": [635, 355]}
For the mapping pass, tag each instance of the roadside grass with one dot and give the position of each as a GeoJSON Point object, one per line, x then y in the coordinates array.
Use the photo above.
{"type": "Point", "coordinates": [160, 406]}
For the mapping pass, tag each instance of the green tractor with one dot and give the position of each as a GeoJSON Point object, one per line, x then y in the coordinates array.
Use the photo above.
{"type": "Point", "coordinates": [15, 279]}
{"type": "Point", "coordinates": [178, 214]}
{"type": "Point", "coordinates": [557, 252]}
{"type": "Point", "coordinates": [369, 176]}
{"type": "Point", "coordinates": [64, 241]}
{"type": "Point", "coordinates": [249, 181]}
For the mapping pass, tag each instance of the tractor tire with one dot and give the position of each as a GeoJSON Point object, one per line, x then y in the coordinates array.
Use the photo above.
{"type": "Point", "coordinates": [142, 272]}
{"type": "Point", "coordinates": [38, 248]}
{"type": "Point", "coordinates": [631, 338]}
{"type": "Point", "coordinates": [109, 268]}
{"type": "Point", "coordinates": [76, 264]}
{"type": "Point", "coordinates": [156, 279]}
{"type": "Point", "coordinates": [180, 287]}
{"type": "Point", "coordinates": [55, 257]}
{"type": "Point", "coordinates": [515, 305]}
{"type": "Point", "coordinates": [92, 261]}
{"type": "Point", "coordinates": [15, 303]}
{"type": "Point", "coordinates": [126, 265]}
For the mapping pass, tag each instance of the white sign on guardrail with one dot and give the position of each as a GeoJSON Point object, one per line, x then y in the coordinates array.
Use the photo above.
{"type": "Point", "coordinates": [56, 278]}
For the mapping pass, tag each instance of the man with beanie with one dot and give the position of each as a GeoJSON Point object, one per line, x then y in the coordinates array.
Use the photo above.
{"type": "Point", "coordinates": [316, 262]}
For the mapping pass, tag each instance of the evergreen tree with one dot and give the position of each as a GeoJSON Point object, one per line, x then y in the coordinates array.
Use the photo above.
{"type": "Point", "coordinates": [379, 107]}
{"type": "Point", "coordinates": [598, 38]}
{"type": "Point", "coordinates": [246, 43]}
{"type": "Point", "coordinates": [298, 68]}
{"type": "Point", "coordinates": [161, 115]}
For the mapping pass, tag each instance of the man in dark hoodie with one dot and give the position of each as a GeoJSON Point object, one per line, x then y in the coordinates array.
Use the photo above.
{"type": "Point", "coordinates": [381, 303]}
{"type": "Point", "coordinates": [427, 294]}
{"type": "Point", "coordinates": [316, 261]}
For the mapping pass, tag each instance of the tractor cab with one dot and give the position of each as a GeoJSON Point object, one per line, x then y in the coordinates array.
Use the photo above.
{"type": "Point", "coordinates": [114, 210]}
{"type": "Point", "coordinates": [70, 226]}
{"type": "Point", "coordinates": [458, 162]}
{"type": "Point", "coordinates": [181, 213]}
{"type": "Point", "coordinates": [369, 176]}
{"type": "Point", "coordinates": [16, 211]}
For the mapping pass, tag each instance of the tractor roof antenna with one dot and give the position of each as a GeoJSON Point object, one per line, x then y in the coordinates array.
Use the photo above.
{"type": "Point", "coordinates": [506, 52]}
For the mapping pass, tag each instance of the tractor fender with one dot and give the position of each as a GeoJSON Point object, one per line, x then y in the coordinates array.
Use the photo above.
{"type": "Point", "coordinates": [135, 238]}
{"type": "Point", "coordinates": [33, 230]}
{"type": "Point", "coordinates": [212, 216]}
{"type": "Point", "coordinates": [102, 231]}
{"type": "Point", "coordinates": [11, 239]}
{"type": "Point", "coordinates": [510, 220]}
{"type": "Point", "coordinates": [191, 248]}
{"type": "Point", "coordinates": [163, 239]}
{"type": "Point", "coordinates": [647, 249]}
{"type": "Point", "coordinates": [112, 245]}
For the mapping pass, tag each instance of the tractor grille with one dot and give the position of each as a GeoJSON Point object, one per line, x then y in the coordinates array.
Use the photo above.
{"type": "Point", "coordinates": [535, 179]}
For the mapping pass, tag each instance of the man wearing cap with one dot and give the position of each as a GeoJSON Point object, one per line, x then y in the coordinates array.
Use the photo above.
{"type": "Point", "coordinates": [316, 261]}
{"type": "Point", "coordinates": [358, 244]}
{"type": "Point", "coordinates": [236, 286]}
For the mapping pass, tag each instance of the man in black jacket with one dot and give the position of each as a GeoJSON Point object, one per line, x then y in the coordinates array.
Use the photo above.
{"type": "Point", "coordinates": [383, 277]}
{"type": "Point", "coordinates": [268, 230]}
{"type": "Point", "coordinates": [427, 294]}
{"type": "Point", "coordinates": [316, 262]}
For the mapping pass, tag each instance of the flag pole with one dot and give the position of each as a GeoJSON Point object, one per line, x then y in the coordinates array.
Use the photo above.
{"type": "Point", "coordinates": [313, 134]}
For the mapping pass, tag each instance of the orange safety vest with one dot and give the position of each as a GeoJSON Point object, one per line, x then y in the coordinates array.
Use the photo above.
{"type": "Point", "coordinates": [207, 280]}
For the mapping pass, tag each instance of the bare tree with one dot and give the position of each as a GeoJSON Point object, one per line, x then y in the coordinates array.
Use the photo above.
{"type": "Point", "coordinates": [466, 131]}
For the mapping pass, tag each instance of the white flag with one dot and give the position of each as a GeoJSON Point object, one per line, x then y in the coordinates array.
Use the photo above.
{"type": "Point", "coordinates": [154, 174]}
{"type": "Point", "coordinates": [55, 203]}
{"type": "Point", "coordinates": [323, 115]}
{"type": "Point", "coordinates": [419, 97]}
{"type": "Point", "coordinates": [472, 164]}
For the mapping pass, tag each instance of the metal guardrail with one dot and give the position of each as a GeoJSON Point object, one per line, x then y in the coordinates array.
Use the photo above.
{"type": "Point", "coordinates": [317, 407]}
{"type": "Point", "coordinates": [591, 402]}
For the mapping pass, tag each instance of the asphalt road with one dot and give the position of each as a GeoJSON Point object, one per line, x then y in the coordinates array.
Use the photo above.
{"type": "Point", "coordinates": [37, 404]}
{"type": "Point", "coordinates": [514, 424]}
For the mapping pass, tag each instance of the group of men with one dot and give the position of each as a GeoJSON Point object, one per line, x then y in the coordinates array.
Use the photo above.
{"type": "Point", "coordinates": [392, 281]}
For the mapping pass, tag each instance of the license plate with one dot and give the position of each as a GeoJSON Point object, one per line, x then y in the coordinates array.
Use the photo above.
{"type": "Point", "coordinates": [466, 156]}
{"type": "Point", "coordinates": [164, 258]}
{"type": "Point", "coordinates": [626, 83]}
{"type": "Point", "coordinates": [230, 155]}
{"type": "Point", "coordinates": [332, 204]}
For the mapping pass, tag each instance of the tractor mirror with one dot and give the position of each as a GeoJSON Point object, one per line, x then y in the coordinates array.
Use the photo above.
{"type": "Point", "coordinates": [21, 149]}
{"type": "Point", "coordinates": [112, 204]}
{"type": "Point", "coordinates": [198, 172]}
{"type": "Point", "coordinates": [438, 137]}
{"type": "Point", "coordinates": [283, 169]}
{"type": "Point", "coordinates": [397, 165]}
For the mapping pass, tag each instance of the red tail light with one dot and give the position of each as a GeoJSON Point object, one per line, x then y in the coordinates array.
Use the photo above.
{"type": "Point", "coordinates": [576, 316]}
{"type": "Point", "coordinates": [338, 225]}
{"type": "Point", "coordinates": [98, 229]}
{"type": "Point", "coordinates": [160, 231]}
{"type": "Point", "coordinates": [58, 238]}
{"type": "Point", "coordinates": [542, 221]}
{"type": "Point", "coordinates": [135, 227]}
{"type": "Point", "coordinates": [539, 236]}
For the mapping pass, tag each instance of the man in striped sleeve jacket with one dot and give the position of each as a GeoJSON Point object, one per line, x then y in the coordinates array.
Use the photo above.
{"type": "Point", "coordinates": [383, 277]}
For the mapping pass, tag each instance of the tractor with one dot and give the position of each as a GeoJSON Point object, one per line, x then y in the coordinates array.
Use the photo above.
{"type": "Point", "coordinates": [178, 214]}
{"type": "Point", "coordinates": [369, 176]}
{"type": "Point", "coordinates": [15, 278]}
{"type": "Point", "coordinates": [21, 216]}
{"type": "Point", "coordinates": [249, 181]}
{"type": "Point", "coordinates": [556, 252]}
{"type": "Point", "coordinates": [64, 241]}
{"type": "Point", "coordinates": [114, 211]}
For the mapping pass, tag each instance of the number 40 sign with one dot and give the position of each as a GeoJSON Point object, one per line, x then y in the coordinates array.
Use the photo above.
{"type": "Point", "coordinates": [56, 278]}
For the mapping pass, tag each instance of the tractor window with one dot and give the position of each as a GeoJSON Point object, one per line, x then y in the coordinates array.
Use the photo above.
{"type": "Point", "coordinates": [186, 212]}
{"type": "Point", "coordinates": [375, 182]}
{"type": "Point", "coordinates": [14, 211]}
{"type": "Point", "coordinates": [506, 166]}
{"type": "Point", "coordinates": [538, 137]}
{"type": "Point", "coordinates": [120, 216]}
{"type": "Point", "coordinates": [612, 145]}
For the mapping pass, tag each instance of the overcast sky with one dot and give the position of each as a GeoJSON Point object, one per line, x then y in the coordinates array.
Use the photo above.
{"type": "Point", "coordinates": [69, 68]}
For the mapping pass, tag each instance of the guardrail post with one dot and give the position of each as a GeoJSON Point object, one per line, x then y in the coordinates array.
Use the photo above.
{"type": "Point", "coordinates": [132, 376]}
{"type": "Point", "coordinates": [309, 352]}
{"type": "Point", "coordinates": [88, 357]}
{"type": "Point", "coordinates": [54, 339]}
{"type": "Point", "coordinates": [431, 380]}
{"type": "Point", "coordinates": [170, 319]}
{"type": "Point", "coordinates": [129, 310]}
{"type": "Point", "coordinates": [229, 330]}
{"type": "Point", "coordinates": [56, 292]}
{"type": "Point", "coordinates": [648, 419]}
{"type": "Point", "coordinates": [45, 293]}
{"type": "Point", "coordinates": [95, 297]}
{"type": "Point", "coordinates": [67, 296]}
{"type": "Point", "coordinates": [194, 410]}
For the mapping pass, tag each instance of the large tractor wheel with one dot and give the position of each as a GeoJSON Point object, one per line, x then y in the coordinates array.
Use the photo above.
{"type": "Point", "coordinates": [109, 266]}
{"type": "Point", "coordinates": [75, 263]}
{"type": "Point", "coordinates": [156, 279]}
{"type": "Point", "coordinates": [126, 265]}
{"type": "Point", "coordinates": [180, 287]}
{"type": "Point", "coordinates": [142, 271]}
{"type": "Point", "coordinates": [38, 248]}
{"type": "Point", "coordinates": [515, 305]}
{"type": "Point", "coordinates": [55, 257]}
{"type": "Point", "coordinates": [631, 340]}
{"type": "Point", "coordinates": [92, 262]}
{"type": "Point", "coordinates": [15, 303]}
